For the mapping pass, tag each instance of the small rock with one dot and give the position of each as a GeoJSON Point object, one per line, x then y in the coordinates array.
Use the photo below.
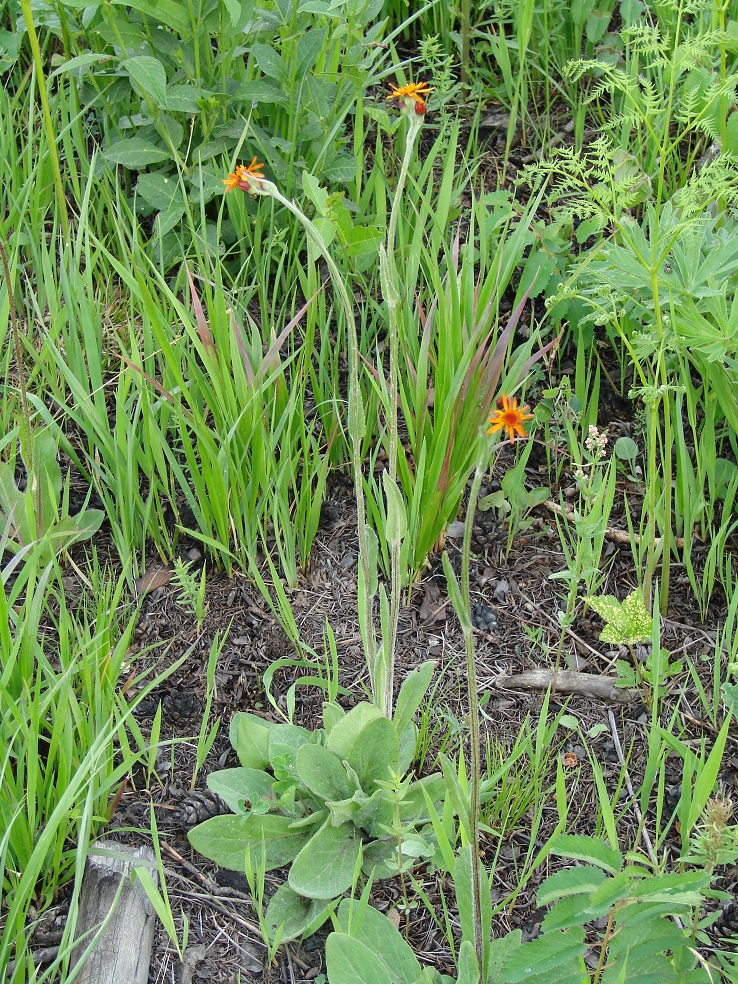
{"type": "Point", "coordinates": [502, 590]}
{"type": "Point", "coordinates": [484, 618]}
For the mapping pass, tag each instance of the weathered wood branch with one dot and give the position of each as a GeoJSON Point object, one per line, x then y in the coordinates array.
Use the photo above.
{"type": "Point", "coordinates": [568, 682]}
{"type": "Point", "coordinates": [123, 952]}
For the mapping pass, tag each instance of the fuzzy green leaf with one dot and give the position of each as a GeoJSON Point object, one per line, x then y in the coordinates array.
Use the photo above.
{"type": "Point", "coordinates": [226, 840]}
{"type": "Point", "coordinates": [321, 771]}
{"type": "Point", "coordinates": [240, 788]}
{"type": "Point", "coordinates": [349, 961]}
{"type": "Point", "coordinates": [325, 866]}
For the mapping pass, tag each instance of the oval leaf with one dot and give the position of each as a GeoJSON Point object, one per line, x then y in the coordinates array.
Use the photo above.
{"type": "Point", "coordinates": [350, 962]}
{"type": "Point", "coordinates": [325, 866]}
{"type": "Point", "coordinates": [135, 153]}
{"type": "Point", "coordinates": [321, 771]}
{"type": "Point", "coordinates": [226, 840]}
{"type": "Point", "coordinates": [240, 788]}
{"type": "Point", "coordinates": [148, 77]}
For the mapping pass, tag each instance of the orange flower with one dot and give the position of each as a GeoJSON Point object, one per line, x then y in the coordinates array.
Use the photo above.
{"type": "Point", "coordinates": [509, 417]}
{"type": "Point", "coordinates": [243, 175]}
{"type": "Point", "coordinates": [411, 95]}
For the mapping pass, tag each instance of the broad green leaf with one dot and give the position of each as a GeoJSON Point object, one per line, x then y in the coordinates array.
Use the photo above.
{"type": "Point", "coordinates": [332, 714]}
{"type": "Point", "coordinates": [135, 153]}
{"type": "Point", "coordinates": [325, 866]}
{"type": "Point", "coordinates": [249, 735]}
{"type": "Point", "coordinates": [376, 858]}
{"type": "Point", "coordinates": [47, 473]}
{"type": "Point", "coordinates": [12, 506]}
{"type": "Point", "coordinates": [234, 11]}
{"type": "Point", "coordinates": [588, 849]}
{"type": "Point", "coordinates": [159, 191]}
{"type": "Point", "coordinates": [80, 64]}
{"type": "Point", "coordinates": [293, 913]}
{"type": "Point", "coordinates": [372, 549]}
{"type": "Point", "coordinates": [241, 788]}
{"type": "Point", "coordinates": [317, 195]}
{"type": "Point", "coordinates": [376, 813]}
{"type": "Point", "coordinates": [377, 932]}
{"type": "Point", "coordinates": [462, 875]}
{"type": "Point", "coordinates": [173, 13]}
{"type": "Point", "coordinates": [225, 840]}
{"type": "Point", "coordinates": [408, 741]}
{"type": "Point", "coordinates": [261, 91]}
{"type": "Point", "coordinates": [345, 732]}
{"type": "Point", "coordinates": [573, 881]}
{"type": "Point", "coordinates": [283, 744]}
{"type": "Point", "coordinates": [321, 771]}
{"type": "Point", "coordinates": [375, 754]}
{"type": "Point", "coordinates": [184, 98]}
{"type": "Point", "coordinates": [148, 77]}
{"type": "Point", "coordinates": [413, 690]}
{"type": "Point", "coordinates": [269, 61]}
{"type": "Point", "coordinates": [349, 961]}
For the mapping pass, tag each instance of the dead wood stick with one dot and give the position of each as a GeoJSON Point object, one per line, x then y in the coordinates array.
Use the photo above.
{"type": "Point", "coordinates": [568, 682]}
{"type": "Point", "coordinates": [122, 953]}
{"type": "Point", "coordinates": [615, 536]}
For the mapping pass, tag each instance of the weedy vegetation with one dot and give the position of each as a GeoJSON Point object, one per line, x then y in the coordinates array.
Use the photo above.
{"type": "Point", "coordinates": [481, 269]}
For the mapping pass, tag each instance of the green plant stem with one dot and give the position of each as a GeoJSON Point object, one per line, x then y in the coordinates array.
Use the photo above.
{"type": "Point", "coordinates": [49, 126]}
{"type": "Point", "coordinates": [471, 670]}
{"type": "Point", "coordinates": [356, 423]}
{"type": "Point", "coordinates": [465, 31]}
{"type": "Point", "coordinates": [390, 290]}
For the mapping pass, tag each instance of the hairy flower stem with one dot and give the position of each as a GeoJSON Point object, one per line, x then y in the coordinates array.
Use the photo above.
{"type": "Point", "coordinates": [391, 292]}
{"type": "Point", "coordinates": [471, 676]}
{"type": "Point", "coordinates": [356, 421]}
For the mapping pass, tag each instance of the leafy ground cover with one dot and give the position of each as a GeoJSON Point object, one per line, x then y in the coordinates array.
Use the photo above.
{"type": "Point", "coordinates": [368, 509]}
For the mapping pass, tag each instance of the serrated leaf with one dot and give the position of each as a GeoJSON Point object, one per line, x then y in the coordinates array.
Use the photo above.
{"type": "Point", "coordinates": [573, 881]}
{"type": "Point", "coordinates": [556, 951]}
{"type": "Point", "coordinates": [590, 850]}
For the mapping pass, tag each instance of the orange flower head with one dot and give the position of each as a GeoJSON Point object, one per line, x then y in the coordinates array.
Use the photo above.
{"type": "Point", "coordinates": [509, 417]}
{"type": "Point", "coordinates": [412, 95]}
{"type": "Point", "coordinates": [243, 176]}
